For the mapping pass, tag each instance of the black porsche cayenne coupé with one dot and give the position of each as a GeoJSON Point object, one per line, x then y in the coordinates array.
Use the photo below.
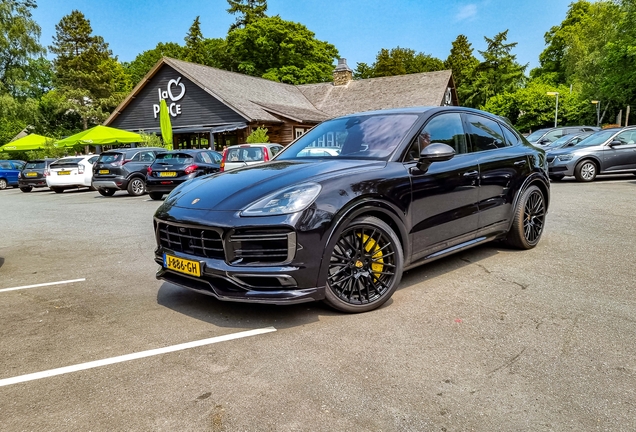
{"type": "Point", "coordinates": [397, 189]}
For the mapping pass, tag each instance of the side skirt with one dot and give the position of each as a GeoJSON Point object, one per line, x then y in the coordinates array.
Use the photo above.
{"type": "Point", "coordinates": [451, 250]}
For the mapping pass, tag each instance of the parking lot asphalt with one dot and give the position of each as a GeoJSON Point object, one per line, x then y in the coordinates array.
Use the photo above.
{"type": "Point", "coordinates": [488, 339]}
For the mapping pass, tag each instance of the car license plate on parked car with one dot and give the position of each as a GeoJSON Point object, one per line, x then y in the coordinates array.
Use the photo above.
{"type": "Point", "coordinates": [182, 265]}
{"type": "Point", "coordinates": [63, 173]}
{"type": "Point", "coordinates": [168, 174]}
{"type": "Point", "coordinates": [104, 171]}
{"type": "Point", "coordinates": [31, 174]}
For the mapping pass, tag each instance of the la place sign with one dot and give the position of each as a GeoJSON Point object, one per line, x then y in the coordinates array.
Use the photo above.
{"type": "Point", "coordinates": [173, 107]}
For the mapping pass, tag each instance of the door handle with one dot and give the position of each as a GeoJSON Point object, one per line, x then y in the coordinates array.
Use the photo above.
{"type": "Point", "coordinates": [520, 163]}
{"type": "Point", "coordinates": [471, 174]}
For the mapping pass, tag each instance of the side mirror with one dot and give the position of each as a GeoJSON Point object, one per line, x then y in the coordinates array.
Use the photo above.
{"type": "Point", "coordinates": [571, 144]}
{"type": "Point", "coordinates": [615, 143]}
{"type": "Point", "coordinates": [436, 152]}
{"type": "Point", "coordinates": [545, 141]}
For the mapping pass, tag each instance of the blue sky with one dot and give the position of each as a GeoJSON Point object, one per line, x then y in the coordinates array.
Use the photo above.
{"type": "Point", "coordinates": [358, 29]}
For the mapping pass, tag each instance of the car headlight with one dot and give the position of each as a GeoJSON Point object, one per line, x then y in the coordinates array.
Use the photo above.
{"type": "Point", "coordinates": [285, 201]}
{"type": "Point", "coordinates": [565, 158]}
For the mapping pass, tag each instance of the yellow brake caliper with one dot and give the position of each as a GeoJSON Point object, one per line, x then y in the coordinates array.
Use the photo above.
{"type": "Point", "coordinates": [376, 265]}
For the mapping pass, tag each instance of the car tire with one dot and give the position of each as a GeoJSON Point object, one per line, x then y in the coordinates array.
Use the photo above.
{"type": "Point", "coordinates": [585, 171]}
{"type": "Point", "coordinates": [26, 189]}
{"type": "Point", "coordinates": [528, 219]}
{"type": "Point", "coordinates": [155, 195]}
{"type": "Point", "coordinates": [136, 187]}
{"type": "Point", "coordinates": [57, 190]}
{"type": "Point", "coordinates": [365, 266]}
{"type": "Point", "coordinates": [106, 192]}
{"type": "Point", "coordinates": [3, 184]}
{"type": "Point", "coordinates": [557, 177]}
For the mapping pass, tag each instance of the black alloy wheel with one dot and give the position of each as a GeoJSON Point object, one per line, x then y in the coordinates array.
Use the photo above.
{"type": "Point", "coordinates": [365, 266]}
{"type": "Point", "coordinates": [26, 188]}
{"type": "Point", "coordinates": [136, 187]}
{"type": "Point", "coordinates": [529, 219]}
{"type": "Point", "coordinates": [106, 192]}
{"type": "Point", "coordinates": [155, 195]}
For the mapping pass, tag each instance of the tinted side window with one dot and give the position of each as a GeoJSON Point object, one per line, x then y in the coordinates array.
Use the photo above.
{"type": "Point", "coordinates": [511, 137]}
{"type": "Point", "coordinates": [446, 129]}
{"type": "Point", "coordinates": [554, 135]}
{"type": "Point", "coordinates": [275, 150]}
{"type": "Point", "coordinates": [5, 165]}
{"type": "Point", "coordinates": [485, 134]}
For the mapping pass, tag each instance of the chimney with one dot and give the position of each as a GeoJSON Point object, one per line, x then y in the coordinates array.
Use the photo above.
{"type": "Point", "coordinates": [342, 74]}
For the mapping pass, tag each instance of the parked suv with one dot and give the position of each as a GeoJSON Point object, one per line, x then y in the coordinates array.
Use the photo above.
{"type": "Point", "coordinates": [545, 136]}
{"type": "Point", "coordinates": [9, 170]}
{"type": "Point", "coordinates": [610, 151]}
{"type": "Point", "coordinates": [123, 169]}
{"type": "Point", "coordinates": [34, 174]}
{"type": "Point", "coordinates": [248, 154]}
{"type": "Point", "coordinates": [170, 169]}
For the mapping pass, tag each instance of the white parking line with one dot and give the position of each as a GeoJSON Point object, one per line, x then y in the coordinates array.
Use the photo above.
{"type": "Point", "coordinates": [43, 284]}
{"type": "Point", "coordinates": [134, 356]}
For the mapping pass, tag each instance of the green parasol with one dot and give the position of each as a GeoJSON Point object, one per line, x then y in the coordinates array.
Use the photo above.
{"type": "Point", "coordinates": [99, 135]}
{"type": "Point", "coordinates": [29, 142]}
{"type": "Point", "coordinates": [166, 126]}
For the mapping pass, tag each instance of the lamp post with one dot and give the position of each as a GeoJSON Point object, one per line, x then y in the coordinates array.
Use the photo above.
{"type": "Point", "coordinates": [598, 112]}
{"type": "Point", "coordinates": [556, 111]}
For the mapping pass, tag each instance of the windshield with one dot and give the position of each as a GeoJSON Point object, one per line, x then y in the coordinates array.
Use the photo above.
{"type": "Point", "coordinates": [35, 165]}
{"type": "Point", "coordinates": [66, 162]}
{"type": "Point", "coordinates": [595, 139]}
{"type": "Point", "coordinates": [173, 159]}
{"type": "Point", "coordinates": [367, 137]}
{"type": "Point", "coordinates": [534, 136]}
{"type": "Point", "coordinates": [561, 141]}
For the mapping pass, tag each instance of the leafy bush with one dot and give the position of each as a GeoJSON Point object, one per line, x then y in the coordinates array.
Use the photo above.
{"type": "Point", "coordinates": [150, 140]}
{"type": "Point", "coordinates": [258, 135]}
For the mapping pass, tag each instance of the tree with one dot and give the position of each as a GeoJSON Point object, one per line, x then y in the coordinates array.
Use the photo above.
{"type": "Point", "coordinates": [19, 42]}
{"type": "Point", "coordinates": [86, 74]}
{"type": "Point", "coordinates": [142, 64]}
{"type": "Point", "coordinates": [498, 73]}
{"type": "Point", "coordinates": [194, 46]}
{"type": "Point", "coordinates": [249, 11]}
{"type": "Point", "coordinates": [398, 61]}
{"type": "Point", "coordinates": [258, 135]}
{"type": "Point", "coordinates": [463, 64]}
{"type": "Point", "coordinates": [281, 51]}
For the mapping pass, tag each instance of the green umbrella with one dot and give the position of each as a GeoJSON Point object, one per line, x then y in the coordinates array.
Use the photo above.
{"type": "Point", "coordinates": [29, 142]}
{"type": "Point", "coordinates": [166, 126]}
{"type": "Point", "coordinates": [99, 135]}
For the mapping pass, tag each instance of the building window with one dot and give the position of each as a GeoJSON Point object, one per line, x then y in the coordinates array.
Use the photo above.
{"type": "Point", "coordinates": [298, 132]}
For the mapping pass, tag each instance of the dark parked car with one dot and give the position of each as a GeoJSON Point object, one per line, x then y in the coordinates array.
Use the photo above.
{"type": "Point", "coordinates": [34, 174]}
{"type": "Point", "coordinates": [610, 151]}
{"type": "Point", "coordinates": [9, 171]}
{"type": "Point", "coordinates": [171, 169]}
{"type": "Point", "coordinates": [123, 169]}
{"type": "Point", "coordinates": [408, 186]}
{"type": "Point", "coordinates": [545, 136]}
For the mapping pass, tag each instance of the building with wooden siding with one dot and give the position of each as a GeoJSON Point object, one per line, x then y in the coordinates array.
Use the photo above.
{"type": "Point", "coordinates": [224, 107]}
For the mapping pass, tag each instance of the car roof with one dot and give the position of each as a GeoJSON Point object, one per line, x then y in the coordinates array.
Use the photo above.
{"type": "Point", "coordinates": [134, 149]}
{"type": "Point", "coordinates": [255, 145]}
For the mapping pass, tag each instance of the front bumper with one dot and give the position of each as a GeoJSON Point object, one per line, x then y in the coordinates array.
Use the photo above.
{"type": "Point", "coordinates": [557, 167]}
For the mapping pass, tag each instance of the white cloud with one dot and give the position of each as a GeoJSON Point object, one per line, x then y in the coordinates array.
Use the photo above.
{"type": "Point", "coordinates": [466, 13]}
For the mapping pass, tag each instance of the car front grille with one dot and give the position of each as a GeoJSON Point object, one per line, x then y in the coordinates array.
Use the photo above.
{"type": "Point", "coordinates": [200, 242]}
{"type": "Point", "coordinates": [550, 159]}
{"type": "Point", "coordinates": [262, 246]}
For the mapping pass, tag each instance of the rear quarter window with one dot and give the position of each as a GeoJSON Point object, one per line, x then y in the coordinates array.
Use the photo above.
{"type": "Point", "coordinates": [110, 157]}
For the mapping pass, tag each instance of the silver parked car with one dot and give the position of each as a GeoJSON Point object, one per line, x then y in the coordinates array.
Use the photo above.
{"type": "Point", "coordinates": [610, 151]}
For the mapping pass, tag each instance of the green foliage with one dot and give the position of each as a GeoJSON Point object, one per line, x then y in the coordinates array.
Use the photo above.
{"type": "Point", "coordinates": [150, 140]}
{"type": "Point", "coordinates": [19, 42]}
{"type": "Point", "coordinates": [531, 108]}
{"type": "Point", "coordinates": [194, 47]}
{"type": "Point", "coordinates": [249, 11]}
{"type": "Point", "coordinates": [463, 64]}
{"type": "Point", "coordinates": [280, 50]}
{"type": "Point", "coordinates": [15, 115]}
{"type": "Point", "coordinates": [49, 151]}
{"type": "Point", "coordinates": [86, 75]}
{"type": "Point", "coordinates": [398, 61]}
{"type": "Point", "coordinates": [499, 73]}
{"type": "Point", "coordinates": [258, 135]}
{"type": "Point", "coordinates": [142, 64]}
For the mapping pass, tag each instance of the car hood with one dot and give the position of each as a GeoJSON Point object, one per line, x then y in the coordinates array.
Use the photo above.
{"type": "Point", "coordinates": [236, 189]}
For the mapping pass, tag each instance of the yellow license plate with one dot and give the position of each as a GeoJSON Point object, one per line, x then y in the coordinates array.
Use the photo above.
{"type": "Point", "coordinates": [168, 174]}
{"type": "Point", "coordinates": [63, 173]}
{"type": "Point", "coordinates": [32, 174]}
{"type": "Point", "coordinates": [181, 265]}
{"type": "Point", "coordinates": [104, 171]}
